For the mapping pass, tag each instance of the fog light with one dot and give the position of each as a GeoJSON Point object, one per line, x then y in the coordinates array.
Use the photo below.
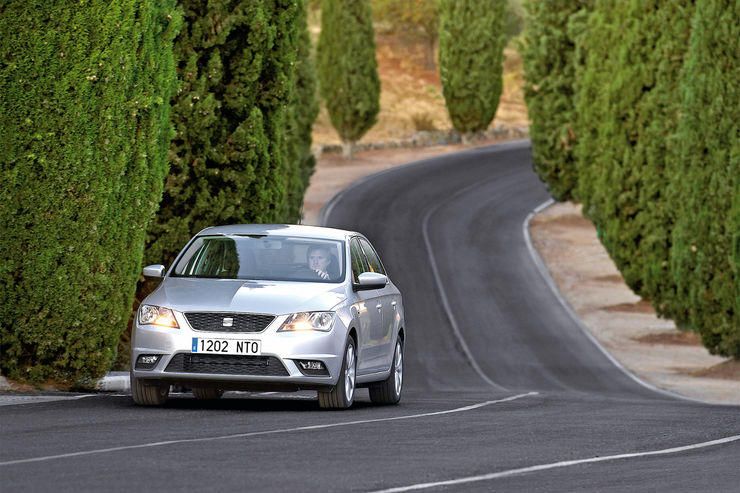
{"type": "Point", "coordinates": [311, 365]}
{"type": "Point", "coordinates": [147, 361]}
{"type": "Point", "coordinates": [312, 368]}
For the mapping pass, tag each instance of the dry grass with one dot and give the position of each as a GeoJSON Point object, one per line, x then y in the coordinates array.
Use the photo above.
{"type": "Point", "coordinates": [641, 306]}
{"type": "Point", "coordinates": [729, 370]}
{"type": "Point", "coordinates": [673, 337]}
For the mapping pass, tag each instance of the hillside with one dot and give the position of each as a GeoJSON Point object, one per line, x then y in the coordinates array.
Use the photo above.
{"type": "Point", "coordinates": [411, 94]}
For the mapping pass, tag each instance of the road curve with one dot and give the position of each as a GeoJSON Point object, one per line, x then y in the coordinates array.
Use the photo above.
{"type": "Point", "coordinates": [450, 232]}
{"type": "Point", "coordinates": [504, 391]}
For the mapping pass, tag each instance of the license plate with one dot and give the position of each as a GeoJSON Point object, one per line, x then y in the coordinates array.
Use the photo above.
{"type": "Point", "coordinates": [207, 345]}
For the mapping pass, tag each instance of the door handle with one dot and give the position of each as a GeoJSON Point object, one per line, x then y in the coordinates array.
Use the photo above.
{"type": "Point", "coordinates": [393, 304]}
{"type": "Point", "coordinates": [379, 306]}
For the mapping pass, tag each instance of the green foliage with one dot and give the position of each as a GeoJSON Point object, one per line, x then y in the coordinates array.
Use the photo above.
{"type": "Point", "coordinates": [657, 150]}
{"type": "Point", "coordinates": [705, 179]}
{"type": "Point", "coordinates": [303, 110]}
{"type": "Point", "coordinates": [236, 65]}
{"type": "Point", "coordinates": [596, 49]}
{"type": "Point", "coordinates": [627, 109]}
{"type": "Point", "coordinates": [471, 44]}
{"type": "Point", "coordinates": [84, 124]}
{"type": "Point", "coordinates": [549, 52]}
{"type": "Point", "coordinates": [347, 69]}
{"type": "Point", "coordinates": [421, 17]}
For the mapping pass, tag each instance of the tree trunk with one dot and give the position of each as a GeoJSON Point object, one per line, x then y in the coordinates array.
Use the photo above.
{"type": "Point", "coordinates": [348, 148]}
{"type": "Point", "coordinates": [430, 59]}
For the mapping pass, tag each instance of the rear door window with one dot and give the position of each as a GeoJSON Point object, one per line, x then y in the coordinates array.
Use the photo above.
{"type": "Point", "coordinates": [359, 263]}
{"type": "Point", "coordinates": [372, 257]}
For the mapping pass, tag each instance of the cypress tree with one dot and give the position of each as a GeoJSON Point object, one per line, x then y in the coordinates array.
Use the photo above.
{"type": "Point", "coordinates": [596, 48]}
{"type": "Point", "coordinates": [347, 69]}
{"type": "Point", "coordinates": [549, 55]}
{"type": "Point", "coordinates": [705, 181]}
{"type": "Point", "coordinates": [303, 111]}
{"type": "Point", "coordinates": [471, 44]}
{"type": "Point", "coordinates": [635, 68]}
{"type": "Point", "coordinates": [84, 121]}
{"type": "Point", "coordinates": [228, 158]}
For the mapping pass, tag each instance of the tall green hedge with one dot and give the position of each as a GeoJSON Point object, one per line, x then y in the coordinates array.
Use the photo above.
{"type": "Point", "coordinates": [84, 123]}
{"type": "Point", "coordinates": [347, 69]}
{"type": "Point", "coordinates": [471, 45]}
{"type": "Point", "coordinates": [628, 109]}
{"type": "Point", "coordinates": [657, 112]}
{"type": "Point", "coordinates": [228, 158]}
{"type": "Point", "coordinates": [705, 256]}
{"type": "Point", "coordinates": [303, 110]}
{"type": "Point", "coordinates": [548, 53]}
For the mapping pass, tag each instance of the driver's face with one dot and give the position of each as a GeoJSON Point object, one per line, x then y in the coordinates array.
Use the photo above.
{"type": "Point", "coordinates": [318, 259]}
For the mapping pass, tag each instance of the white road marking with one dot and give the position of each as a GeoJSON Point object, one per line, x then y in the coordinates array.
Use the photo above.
{"type": "Point", "coordinates": [262, 433]}
{"type": "Point", "coordinates": [554, 465]}
{"type": "Point", "coordinates": [440, 288]}
{"type": "Point", "coordinates": [15, 400]}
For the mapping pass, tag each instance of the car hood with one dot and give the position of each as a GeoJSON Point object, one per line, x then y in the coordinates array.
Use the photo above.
{"type": "Point", "coordinates": [272, 297]}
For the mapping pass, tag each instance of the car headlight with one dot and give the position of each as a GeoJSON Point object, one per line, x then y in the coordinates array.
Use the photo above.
{"type": "Point", "coordinates": [157, 315]}
{"type": "Point", "coordinates": [322, 321]}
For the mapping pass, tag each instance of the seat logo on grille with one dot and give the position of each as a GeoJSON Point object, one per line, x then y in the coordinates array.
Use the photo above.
{"type": "Point", "coordinates": [228, 322]}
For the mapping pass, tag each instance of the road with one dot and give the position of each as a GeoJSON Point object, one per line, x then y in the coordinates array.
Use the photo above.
{"type": "Point", "coordinates": [503, 390]}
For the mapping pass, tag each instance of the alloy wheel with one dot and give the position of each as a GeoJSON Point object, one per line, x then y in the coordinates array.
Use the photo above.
{"type": "Point", "coordinates": [349, 373]}
{"type": "Point", "coordinates": [398, 369]}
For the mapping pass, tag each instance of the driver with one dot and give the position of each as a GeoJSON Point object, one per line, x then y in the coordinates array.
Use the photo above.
{"type": "Point", "coordinates": [320, 261]}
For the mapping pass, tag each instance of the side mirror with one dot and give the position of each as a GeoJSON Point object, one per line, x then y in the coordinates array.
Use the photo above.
{"type": "Point", "coordinates": [370, 280]}
{"type": "Point", "coordinates": [154, 271]}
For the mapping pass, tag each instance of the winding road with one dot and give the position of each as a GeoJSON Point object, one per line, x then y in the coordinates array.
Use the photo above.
{"type": "Point", "coordinates": [503, 392]}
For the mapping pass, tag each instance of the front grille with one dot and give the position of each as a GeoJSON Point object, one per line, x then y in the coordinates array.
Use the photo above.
{"type": "Point", "coordinates": [222, 364]}
{"type": "Point", "coordinates": [240, 322]}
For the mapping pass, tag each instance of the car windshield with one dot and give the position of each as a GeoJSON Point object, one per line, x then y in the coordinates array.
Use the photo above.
{"type": "Point", "coordinates": [260, 257]}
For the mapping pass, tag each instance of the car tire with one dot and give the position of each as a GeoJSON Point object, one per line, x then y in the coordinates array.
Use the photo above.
{"type": "Point", "coordinates": [148, 394]}
{"type": "Point", "coordinates": [343, 394]}
{"type": "Point", "coordinates": [389, 390]}
{"type": "Point", "coordinates": [207, 393]}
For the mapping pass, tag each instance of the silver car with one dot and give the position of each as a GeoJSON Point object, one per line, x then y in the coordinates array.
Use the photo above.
{"type": "Point", "coordinates": [271, 308]}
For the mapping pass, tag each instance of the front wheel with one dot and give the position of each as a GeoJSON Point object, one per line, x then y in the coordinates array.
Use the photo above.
{"type": "Point", "coordinates": [389, 390]}
{"type": "Point", "coordinates": [148, 395]}
{"type": "Point", "coordinates": [343, 394]}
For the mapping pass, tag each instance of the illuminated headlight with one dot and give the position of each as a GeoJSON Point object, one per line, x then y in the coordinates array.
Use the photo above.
{"type": "Point", "coordinates": [157, 315]}
{"type": "Point", "coordinates": [322, 321]}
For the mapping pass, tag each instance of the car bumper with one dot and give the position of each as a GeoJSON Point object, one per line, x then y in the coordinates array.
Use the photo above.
{"type": "Point", "coordinates": [275, 368]}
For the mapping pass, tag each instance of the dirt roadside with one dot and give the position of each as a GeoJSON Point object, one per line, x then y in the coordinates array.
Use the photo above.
{"type": "Point", "coordinates": [648, 346]}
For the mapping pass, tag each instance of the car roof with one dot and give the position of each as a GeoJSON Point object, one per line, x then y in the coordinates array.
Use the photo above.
{"type": "Point", "coordinates": [279, 230]}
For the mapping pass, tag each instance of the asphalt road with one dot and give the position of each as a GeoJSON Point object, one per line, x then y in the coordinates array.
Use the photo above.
{"type": "Point", "coordinates": [503, 390]}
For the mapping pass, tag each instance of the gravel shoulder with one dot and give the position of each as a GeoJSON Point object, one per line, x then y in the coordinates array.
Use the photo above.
{"type": "Point", "coordinates": [627, 326]}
